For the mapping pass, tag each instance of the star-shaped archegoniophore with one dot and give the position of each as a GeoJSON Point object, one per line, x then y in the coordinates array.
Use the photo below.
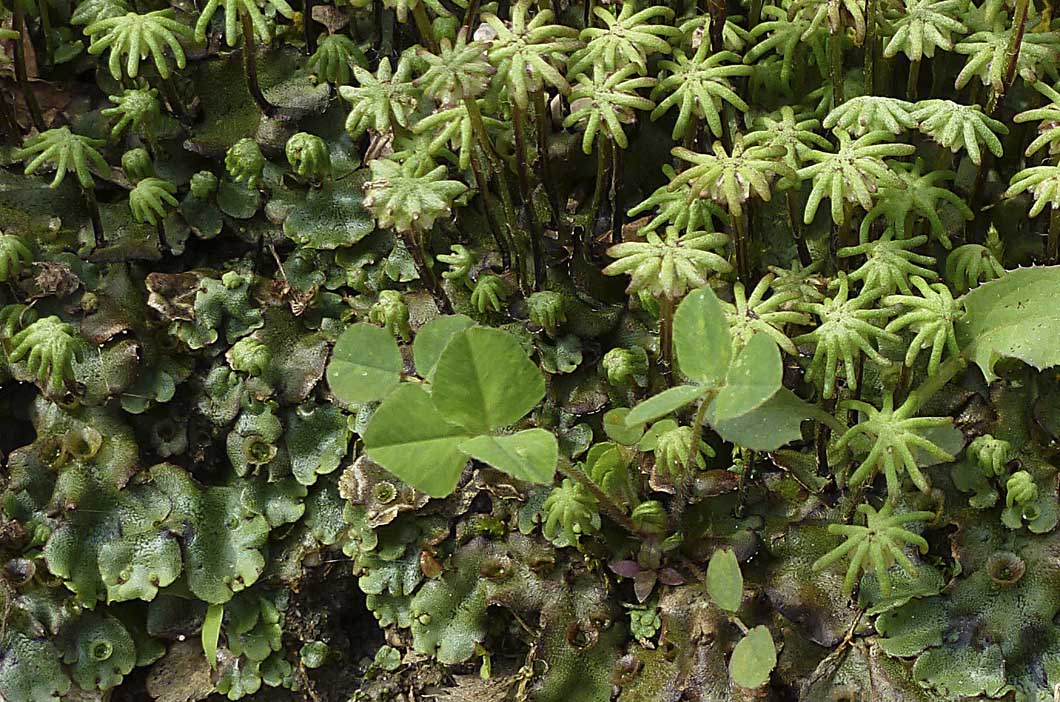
{"type": "Point", "coordinates": [730, 179]}
{"type": "Point", "coordinates": [625, 40]}
{"type": "Point", "coordinates": [876, 546]}
{"type": "Point", "coordinates": [844, 333]}
{"type": "Point", "coordinates": [678, 207]}
{"type": "Point", "coordinates": [699, 85]}
{"type": "Point", "coordinates": [931, 315]}
{"type": "Point", "coordinates": [380, 101]}
{"type": "Point", "coordinates": [401, 198]}
{"type": "Point", "coordinates": [955, 126]}
{"type": "Point", "coordinates": [667, 268]}
{"type": "Point", "coordinates": [895, 435]}
{"type": "Point", "coordinates": [755, 314]}
{"type": "Point", "coordinates": [606, 101]}
{"type": "Point", "coordinates": [889, 263]}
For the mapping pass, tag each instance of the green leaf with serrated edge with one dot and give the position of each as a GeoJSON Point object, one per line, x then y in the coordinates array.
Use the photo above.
{"type": "Point", "coordinates": [211, 632]}
{"type": "Point", "coordinates": [1015, 316]}
{"type": "Point", "coordinates": [365, 366]}
{"type": "Point", "coordinates": [754, 376]}
{"type": "Point", "coordinates": [770, 426]}
{"type": "Point", "coordinates": [432, 338]}
{"type": "Point", "coordinates": [701, 338]}
{"type": "Point", "coordinates": [412, 440]}
{"type": "Point", "coordinates": [753, 659]}
{"type": "Point", "coordinates": [724, 580]}
{"type": "Point", "coordinates": [616, 429]}
{"type": "Point", "coordinates": [484, 380]}
{"type": "Point", "coordinates": [664, 403]}
{"type": "Point", "coordinates": [530, 455]}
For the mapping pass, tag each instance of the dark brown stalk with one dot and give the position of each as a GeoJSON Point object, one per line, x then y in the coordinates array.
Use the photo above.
{"type": "Point", "coordinates": [93, 212]}
{"type": "Point", "coordinates": [544, 163]}
{"type": "Point", "coordinates": [795, 222]}
{"type": "Point", "coordinates": [488, 205]}
{"type": "Point", "coordinates": [21, 72]}
{"type": "Point", "coordinates": [519, 120]}
{"type": "Point", "coordinates": [1012, 53]}
{"type": "Point", "coordinates": [414, 243]}
{"type": "Point", "coordinates": [471, 15]}
{"type": "Point", "coordinates": [309, 28]}
{"type": "Point", "coordinates": [666, 336]}
{"type": "Point", "coordinates": [250, 66]}
{"type": "Point", "coordinates": [617, 209]}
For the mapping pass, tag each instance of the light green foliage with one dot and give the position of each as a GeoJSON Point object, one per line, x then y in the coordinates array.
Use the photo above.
{"type": "Point", "coordinates": [460, 263]}
{"type": "Point", "coordinates": [458, 71]}
{"type": "Point", "coordinates": [758, 314]}
{"type": "Point", "coordinates": [923, 27]}
{"type": "Point", "coordinates": [48, 347]}
{"type": "Point", "coordinates": [308, 156]}
{"type": "Point", "coordinates": [391, 311]}
{"type": "Point", "coordinates": [895, 434]}
{"type": "Point", "coordinates": [547, 310]}
{"type": "Point", "coordinates": [624, 40]}
{"type": "Point", "coordinates": [869, 113]}
{"type": "Point", "coordinates": [988, 49]}
{"type": "Point", "coordinates": [991, 455]}
{"type": "Point", "coordinates": [149, 198]}
{"type": "Point", "coordinates": [853, 172]}
{"type": "Point", "coordinates": [570, 512]}
{"type": "Point", "coordinates": [678, 206]}
{"type": "Point", "coordinates": [725, 581]}
{"type": "Point", "coordinates": [699, 85]}
{"type": "Point", "coordinates": [232, 11]}
{"type": "Point", "coordinates": [137, 165]}
{"type": "Point", "coordinates": [668, 267]}
{"type": "Point", "coordinates": [66, 151]}
{"type": "Point", "coordinates": [402, 198]}
{"type": "Point", "coordinates": [890, 264]}
{"type": "Point", "coordinates": [1047, 118]}
{"type": "Point", "coordinates": [489, 294]}
{"type": "Point", "coordinates": [134, 37]}
{"type": "Point", "coordinates": [137, 108]}
{"type": "Point", "coordinates": [14, 255]}
{"type": "Point", "coordinates": [624, 366]}
{"type": "Point", "coordinates": [913, 198]}
{"type": "Point", "coordinates": [245, 162]}
{"type": "Point", "coordinates": [931, 315]}
{"type": "Point", "coordinates": [1042, 182]}
{"type": "Point", "coordinates": [955, 127]}
{"type": "Point", "coordinates": [524, 52]}
{"type": "Point", "coordinates": [969, 265]}
{"type": "Point", "coordinates": [599, 102]}
{"type": "Point", "coordinates": [381, 100]}
{"type": "Point", "coordinates": [249, 355]}
{"type": "Point", "coordinates": [730, 179]}
{"type": "Point", "coordinates": [335, 57]}
{"type": "Point", "coordinates": [846, 329]}
{"type": "Point", "coordinates": [877, 545]}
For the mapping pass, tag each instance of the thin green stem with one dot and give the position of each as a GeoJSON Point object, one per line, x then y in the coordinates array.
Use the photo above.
{"type": "Point", "coordinates": [911, 80]}
{"type": "Point", "coordinates": [93, 213]}
{"type": "Point", "coordinates": [423, 26]}
{"type": "Point", "coordinates": [835, 53]}
{"type": "Point", "coordinates": [1012, 53]}
{"type": "Point", "coordinates": [740, 244]}
{"type": "Point", "coordinates": [684, 485]}
{"type": "Point", "coordinates": [46, 29]}
{"type": "Point", "coordinates": [666, 336]}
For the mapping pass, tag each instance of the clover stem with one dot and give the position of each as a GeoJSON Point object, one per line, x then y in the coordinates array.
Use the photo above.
{"type": "Point", "coordinates": [415, 244]}
{"type": "Point", "coordinates": [308, 28]}
{"type": "Point", "coordinates": [835, 52]}
{"type": "Point", "coordinates": [666, 335]}
{"type": "Point", "coordinates": [93, 212]}
{"type": "Point", "coordinates": [796, 229]}
{"type": "Point", "coordinates": [18, 23]}
{"type": "Point", "coordinates": [1012, 53]}
{"type": "Point", "coordinates": [423, 26]}
{"type": "Point", "coordinates": [911, 80]}
{"type": "Point", "coordinates": [475, 115]}
{"type": "Point", "coordinates": [612, 508]}
{"type": "Point", "coordinates": [1052, 251]}
{"type": "Point", "coordinates": [250, 66]}
{"type": "Point", "coordinates": [488, 204]}
{"type": "Point", "coordinates": [870, 47]}
{"type": "Point", "coordinates": [544, 162]}
{"type": "Point", "coordinates": [519, 121]}
{"type": "Point", "coordinates": [743, 262]}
